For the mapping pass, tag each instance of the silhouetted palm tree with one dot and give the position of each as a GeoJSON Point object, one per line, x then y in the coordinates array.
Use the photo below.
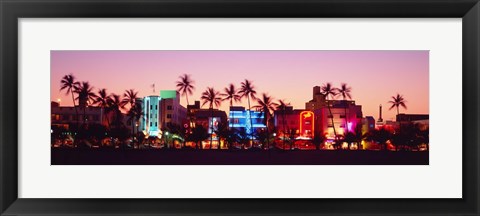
{"type": "Point", "coordinates": [213, 99]}
{"type": "Point", "coordinates": [230, 94]}
{"type": "Point", "coordinates": [130, 97]}
{"type": "Point", "coordinates": [134, 114]}
{"type": "Point", "coordinates": [345, 91]}
{"type": "Point", "coordinates": [69, 84]}
{"type": "Point", "coordinates": [85, 97]}
{"type": "Point", "coordinates": [115, 105]}
{"type": "Point", "coordinates": [248, 90]}
{"type": "Point", "coordinates": [185, 87]}
{"type": "Point", "coordinates": [102, 100]}
{"type": "Point", "coordinates": [266, 105]}
{"type": "Point", "coordinates": [330, 92]}
{"type": "Point", "coordinates": [398, 101]}
{"type": "Point", "coordinates": [282, 105]}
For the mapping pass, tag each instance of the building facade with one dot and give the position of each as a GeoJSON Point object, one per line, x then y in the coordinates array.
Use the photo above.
{"type": "Point", "coordinates": [66, 116]}
{"type": "Point", "coordinates": [346, 116]}
{"type": "Point", "coordinates": [171, 110]}
{"type": "Point", "coordinates": [248, 120]}
{"type": "Point", "coordinates": [161, 110]}
{"type": "Point", "coordinates": [150, 123]}
{"type": "Point", "coordinates": [210, 120]}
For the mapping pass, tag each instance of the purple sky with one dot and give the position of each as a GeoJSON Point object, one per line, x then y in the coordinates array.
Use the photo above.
{"type": "Point", "coordinates": [374, 76]}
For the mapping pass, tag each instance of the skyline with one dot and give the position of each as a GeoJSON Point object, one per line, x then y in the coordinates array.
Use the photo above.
{"type": "Point", "coordinates": [374, 76]}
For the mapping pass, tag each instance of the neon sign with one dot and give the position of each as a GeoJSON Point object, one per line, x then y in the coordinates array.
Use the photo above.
{"type": "Point", "coordinates": [307, 124]}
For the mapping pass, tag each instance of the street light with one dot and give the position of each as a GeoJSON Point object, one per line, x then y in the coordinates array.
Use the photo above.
{"type": "Point", "coordinates": [166, 139]}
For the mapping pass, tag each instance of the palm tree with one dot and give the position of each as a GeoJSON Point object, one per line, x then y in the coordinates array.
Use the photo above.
{"type": "Point", "coordinates": [398, 101]}
{"type": "Point", "coordinates": [115, 105]}
{"type": "Point", "coordinates": [102, 100]}
{"type": "Point", "coordinates": [129, 97]}
{"type": "Point", "coordinates": [213, 99]}
{"type": "Point", "coordinates": [69, 84]}
{"type": "Point", "coordinates": [230, 93]}
{"type": "Point", "coordinates": [329, 92]}
{"type": "Point", "coordinates": [185, 87]}
{"type": "Point", "coordinates": [282, 105]}
{"type": "Point", "coordinates": [266, 105]}
{"type": "Point", "coordinates": [85, 97]}
{"type": "Point", "coordinates": [134, 114]}
{"type": "Point", "coordinates": [248, 90]}
{"type": "Point", "coordinates": [345, 91]}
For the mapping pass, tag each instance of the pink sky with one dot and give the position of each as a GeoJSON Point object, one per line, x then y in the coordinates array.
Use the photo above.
{"type": "Point", "coordinates": [374, 76]}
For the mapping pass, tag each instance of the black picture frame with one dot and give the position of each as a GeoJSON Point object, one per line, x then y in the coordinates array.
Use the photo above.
{"type": "Point", "coordinates": [12, 10]}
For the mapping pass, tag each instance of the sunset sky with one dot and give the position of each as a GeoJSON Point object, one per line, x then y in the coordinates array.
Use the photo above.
{"type": "Point", "coordinates": [374, 76]}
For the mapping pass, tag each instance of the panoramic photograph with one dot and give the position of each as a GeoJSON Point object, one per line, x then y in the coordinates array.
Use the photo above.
{"type": "Point", "coordinates": [239, 107]}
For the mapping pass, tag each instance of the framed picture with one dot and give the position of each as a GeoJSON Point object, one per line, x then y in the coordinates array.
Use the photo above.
{"type": "Point", "coordinates": [225, 107]}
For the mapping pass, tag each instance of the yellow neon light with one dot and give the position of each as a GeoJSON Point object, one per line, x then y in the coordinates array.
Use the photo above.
{"type": "Point", "coordinates": [307, 114]}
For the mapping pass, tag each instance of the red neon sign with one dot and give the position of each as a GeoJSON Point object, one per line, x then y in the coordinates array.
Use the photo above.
{"type": "Point", "coordinates": [304, 117]}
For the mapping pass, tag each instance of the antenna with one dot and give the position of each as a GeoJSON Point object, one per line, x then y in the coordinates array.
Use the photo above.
{"type": "Point", "coordinates": [153, 86]}
{"type": "Point", "coordinates": [380, 112]}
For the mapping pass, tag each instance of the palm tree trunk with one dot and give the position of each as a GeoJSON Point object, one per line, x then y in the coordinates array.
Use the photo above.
{"type": "Point", "coordinates": [84, 115]}
{"type": "Point", "coordinates": [75, 107]}
{"type": "Point", "coordinates": [189, 121]}
{"type": "Point", "coordinates": [233, 122]}
{"type": "Point", "coordinates": [346, 118]}
{"type": "Point", "coordinates": [266, 124]}
{"type": "Point", "coordinates": [333, 125]}
{"type": "Point", "coordinates": [108, 122]}
{"type": "Point", "coordinates": [211, 134]}
{"type": "Point", "coordinates": [251, 123]}
{"type": "Point", "coordinates": [283, 121]}
{"type": "Point", "coordinates": [133, 134]}
{"type": "Point", "coordinates": [76, 115]}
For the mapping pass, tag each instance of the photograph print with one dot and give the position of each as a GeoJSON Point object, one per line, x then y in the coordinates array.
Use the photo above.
{"type": "Point", "coordinates": [239, 107]}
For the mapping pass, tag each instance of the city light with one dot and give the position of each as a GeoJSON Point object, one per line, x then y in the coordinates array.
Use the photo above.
{"type": "Point", "coordinates": [304, 117]}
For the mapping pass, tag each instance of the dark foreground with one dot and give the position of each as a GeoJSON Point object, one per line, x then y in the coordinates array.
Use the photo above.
{"type": "Point", "coordinates": [62, 156]}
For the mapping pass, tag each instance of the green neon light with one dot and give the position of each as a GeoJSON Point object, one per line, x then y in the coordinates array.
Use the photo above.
{"type": "Point", "coordinates": [168, 94]}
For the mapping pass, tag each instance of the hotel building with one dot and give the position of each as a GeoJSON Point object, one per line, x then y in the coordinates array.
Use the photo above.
{"type": "Point", "coordinates": [171, 110]}
{"type": "Point", "coordinates": [158, 111]}
{"type": "Point", "coordinates": [208, 119]}
{"type": "Point", "coordinates": [316, 119]}
{"type": "Point", "coordinates": [251, 121]}
{"type": "Point", "coordinates": [66, 117]}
